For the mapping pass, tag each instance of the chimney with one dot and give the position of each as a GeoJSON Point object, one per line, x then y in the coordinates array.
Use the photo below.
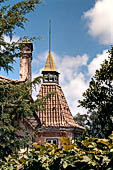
{"type": "Point", "coordinates": [26, 60]}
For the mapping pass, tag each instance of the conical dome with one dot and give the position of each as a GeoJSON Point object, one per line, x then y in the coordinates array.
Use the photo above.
{"type": "Point", "coordinates": [50, 64]}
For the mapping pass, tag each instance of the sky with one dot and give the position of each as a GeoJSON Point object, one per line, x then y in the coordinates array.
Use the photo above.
{"type": "Point", "coordinates": [82, 33]}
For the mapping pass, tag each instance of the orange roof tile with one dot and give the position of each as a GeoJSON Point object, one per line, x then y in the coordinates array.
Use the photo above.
{"type": "Point", "coordinates": [56, 111]}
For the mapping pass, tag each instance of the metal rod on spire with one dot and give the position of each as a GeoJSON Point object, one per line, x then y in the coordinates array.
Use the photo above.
{"type": "Point", "coordinates": [49, 35]}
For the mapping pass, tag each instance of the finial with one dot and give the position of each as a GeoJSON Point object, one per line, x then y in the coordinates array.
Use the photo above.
{"type": "Point", "coordinates": [49, 35]}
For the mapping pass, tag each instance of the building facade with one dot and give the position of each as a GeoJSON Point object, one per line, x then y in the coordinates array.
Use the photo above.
{"type": "Point", "coordinates": [55, 119]}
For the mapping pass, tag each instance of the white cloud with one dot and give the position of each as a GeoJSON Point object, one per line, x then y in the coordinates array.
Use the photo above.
{"type": "Point", "coordinates": [69, 65]}
{"type": "Point", "coordinates": [96, 62]}
{"type": "Point", "coordinates": [72, 80]}
{"type": "Point", "coordinates": [73, 91]}
{"type": "Point", "coordinates": [100, 21]}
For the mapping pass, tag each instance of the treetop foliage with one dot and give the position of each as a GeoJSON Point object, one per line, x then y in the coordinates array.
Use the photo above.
{"type": "Point", "coordinates": [12, 16]}
{"type": "Point", "coordinates": [98, 99]}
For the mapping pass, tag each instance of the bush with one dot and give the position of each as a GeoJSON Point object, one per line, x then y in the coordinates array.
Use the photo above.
{"type": "Point", "coordinates": [88, 154]}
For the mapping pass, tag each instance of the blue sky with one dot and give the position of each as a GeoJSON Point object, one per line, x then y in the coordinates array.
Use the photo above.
{"type": "Point", "coordinates": [82, 32]}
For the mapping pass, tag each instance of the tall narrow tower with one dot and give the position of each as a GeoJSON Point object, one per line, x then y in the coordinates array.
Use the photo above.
{"type": "Point", "coordinates": [56, 118]}
{"type": "Point", "coordinates": [50, 72]}
{"type": "Point", "coordinates": [26, 60]}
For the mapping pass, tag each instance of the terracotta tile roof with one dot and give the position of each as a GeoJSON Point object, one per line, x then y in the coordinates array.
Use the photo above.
{"type": "Point", "coordinates": [56, 112]}
{"type": "Point", "coordinates": [10, 80]}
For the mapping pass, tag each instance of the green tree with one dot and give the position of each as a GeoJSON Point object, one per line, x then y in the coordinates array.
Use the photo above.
{"type": "Point", "coordinates": [81, 119]}
{"type": "Point", "coordinates": [98, 99]}
{"type": "Point", "coordinates": [12, 16]}
{"type": "Point", "coordinates": [15, 99]}
{"type": "Point", "coordinates": [16, 104]}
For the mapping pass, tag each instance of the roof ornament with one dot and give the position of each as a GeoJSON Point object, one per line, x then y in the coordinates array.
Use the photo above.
{"type": "Point", "coordinates": [50, 65]}
{"type": "Point", "coordinates": [49, 36]}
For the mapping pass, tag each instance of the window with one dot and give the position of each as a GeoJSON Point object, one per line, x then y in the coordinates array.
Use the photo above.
{"type": "Point", "coordinates": [55, 141]}
{"type": "Point", "coordinates": [46, 79]}
{"type": "Point", "coordinates": [52, 140]}
{"type": "Point", "coordinates": [47, 140]}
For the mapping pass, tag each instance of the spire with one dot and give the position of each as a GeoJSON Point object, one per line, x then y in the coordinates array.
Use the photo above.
{"type": "Point", "coordinates": [50, 64]}
{"type": "Point", "coordinates": [49, 35]}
